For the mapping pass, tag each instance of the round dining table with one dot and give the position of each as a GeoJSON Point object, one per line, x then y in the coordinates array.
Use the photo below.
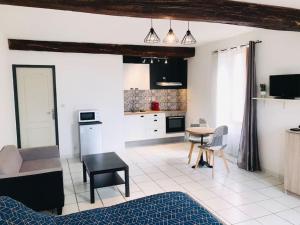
{"type": "Point", "coordinates": [201, 132]}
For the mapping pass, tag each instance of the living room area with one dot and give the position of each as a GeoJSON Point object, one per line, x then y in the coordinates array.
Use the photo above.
{"type": "Point", "coordinates": [111, 116]}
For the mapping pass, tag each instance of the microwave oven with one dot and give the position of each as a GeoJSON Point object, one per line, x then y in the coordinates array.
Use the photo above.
{"type": "Point", "coordinates": [88, 116]}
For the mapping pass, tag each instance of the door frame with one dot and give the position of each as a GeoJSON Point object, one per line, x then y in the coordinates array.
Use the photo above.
{"type": "Point", "coordinates": [15, 84]}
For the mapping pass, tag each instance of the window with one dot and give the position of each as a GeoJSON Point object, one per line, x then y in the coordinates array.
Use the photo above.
{"type": "Point", "coordinates": [231, 90]}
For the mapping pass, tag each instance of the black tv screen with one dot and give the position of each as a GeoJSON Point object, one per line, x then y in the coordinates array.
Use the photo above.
{"type": "Point", "coordinates": [285, 86]}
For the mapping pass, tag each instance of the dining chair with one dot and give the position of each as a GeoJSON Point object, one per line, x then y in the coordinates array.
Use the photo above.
{"type": "Point", "coordinates": [216, 145]}
{"type": "Point", "coordinates": [194, 139]}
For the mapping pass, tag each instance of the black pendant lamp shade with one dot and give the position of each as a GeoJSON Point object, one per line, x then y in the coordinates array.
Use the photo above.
{"type": "Point", "coordinates": [152, 37]}
{"type": "Point", "coordinates": [171, 37]}
{"type": "Point", "coordinates": [188, 38]}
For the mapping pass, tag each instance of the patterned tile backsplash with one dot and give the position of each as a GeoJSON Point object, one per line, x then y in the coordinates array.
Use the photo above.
{"type": "Point", "coordinates": [135, 100]}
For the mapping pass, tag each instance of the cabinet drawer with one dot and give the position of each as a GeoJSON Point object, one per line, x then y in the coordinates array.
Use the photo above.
{"type": "Point", "coordinates": [156, 119]}
{"type": "Point", "coordinates": [155, 133]}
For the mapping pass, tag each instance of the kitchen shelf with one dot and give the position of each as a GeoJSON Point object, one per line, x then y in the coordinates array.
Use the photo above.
{"type": "Point", "coordinates": [275, 99]}
{"type": "Point", "coordinates": [270, 99]}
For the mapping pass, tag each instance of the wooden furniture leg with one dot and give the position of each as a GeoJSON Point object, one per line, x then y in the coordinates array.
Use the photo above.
{"type": "Point", "coordinates": [224, 159]}
{"type": "Point", "coordinates": [213, 163]}
{"type": "Point", "coordinates": [198, 158]}
{"type": "Point", "coordinates": [207, 156]}
{"type": "Point", "coordinates": [191, 152]}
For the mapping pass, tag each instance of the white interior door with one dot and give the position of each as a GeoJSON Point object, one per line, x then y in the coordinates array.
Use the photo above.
{"type": "Point", "coordinates": [36, 106]}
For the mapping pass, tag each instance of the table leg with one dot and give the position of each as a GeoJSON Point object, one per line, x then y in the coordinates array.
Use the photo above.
{"type": "Point", "coordinates": [127, 192]}
{"type": "Point", "coordinates": [202, 163]}
{"type": "Point", "coordinates": [92, 189]}
{"type": "Point", "coordinates": [84, 172]}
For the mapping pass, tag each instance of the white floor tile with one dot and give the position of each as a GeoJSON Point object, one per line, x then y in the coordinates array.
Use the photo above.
{"type": "Point", "coordinates": [254, 210]}
{"type": "Point", "coordinates": [289, 201]}
{"type": "Point", "coordinates": [234, 215]}
{"type": "Point", "coordinates": [68, 209]}
{"type": "Point", "coordinates": [70, 199]}
{"type": "Point", "coordinates": [290, 215]}
{"type": "Point", "coordinates": [87, 205]}
{"type": "Point", "coordinates": [141, 179]}
{"type": "Point", "coordinates": [272, 205]}
{"type": "Point", "coordinates": [250, 222]}
{"type": "Point", "coordinates": [85, 197]}
{"type": "Point", "coordinates": [217, 204]}
{"type": "Point", "coordinates": [272, 220]}
{"type": "Point", "coordinates": [272, 192]}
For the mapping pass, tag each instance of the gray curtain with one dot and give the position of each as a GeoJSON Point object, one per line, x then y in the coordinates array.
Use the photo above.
{"type": "Point", "coordinates": [248, 156]}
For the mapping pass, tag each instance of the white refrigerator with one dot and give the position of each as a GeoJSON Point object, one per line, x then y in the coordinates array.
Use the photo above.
{"type": "Point", "coordinates": [90, 138]}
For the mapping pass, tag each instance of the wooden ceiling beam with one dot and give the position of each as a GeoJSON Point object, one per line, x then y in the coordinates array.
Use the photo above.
{"type": "Point", "coordinates": [93, 48]}
{"type": "Point", "coordinates": [216, 11]}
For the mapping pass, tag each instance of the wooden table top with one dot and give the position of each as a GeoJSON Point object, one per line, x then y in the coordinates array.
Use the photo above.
{"type": "Point", "coordinates": [200, 130]}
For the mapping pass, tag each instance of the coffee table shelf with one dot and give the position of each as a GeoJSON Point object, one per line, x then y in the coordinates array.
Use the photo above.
{"type": "Point", "coordinates": [103, 171]}
{"type": "Point", "coordinates": [107, 179]}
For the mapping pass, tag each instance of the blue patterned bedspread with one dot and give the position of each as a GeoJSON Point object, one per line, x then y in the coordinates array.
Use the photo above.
{"type": "Point", "coordinates": [161, 209]}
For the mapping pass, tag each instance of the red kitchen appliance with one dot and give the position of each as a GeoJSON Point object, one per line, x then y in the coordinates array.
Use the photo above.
{"type": "Point", "coordinates": [155, 106]}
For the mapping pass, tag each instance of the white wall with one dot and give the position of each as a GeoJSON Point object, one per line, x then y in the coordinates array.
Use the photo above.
{"type": "Point", "coordinates": [83, 81]}
{"type": "Point", "coordinates": [278, 54]}
{"type": "Point", "coordinates": [7, 113]}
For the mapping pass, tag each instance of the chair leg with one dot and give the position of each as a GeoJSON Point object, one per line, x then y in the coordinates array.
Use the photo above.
{"type": "Point", "coordinates": [198, 158]}
{"type": "Point", "coordinates": [225, 161]}
{"type": "Point", "coordinates": [207, 156]}
{"type": "Point", "coordinates": [191, 152]}
{"type": "Point", "coordinates": [213, 163]}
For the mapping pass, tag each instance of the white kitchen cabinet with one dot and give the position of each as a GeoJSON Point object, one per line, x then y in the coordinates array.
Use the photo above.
{"type": "Point", "coordinates": [136, 76]}
{"type": "Point", "coordinates": [145, 126]}
{"type": "Point", "coordinates": [292, 165]}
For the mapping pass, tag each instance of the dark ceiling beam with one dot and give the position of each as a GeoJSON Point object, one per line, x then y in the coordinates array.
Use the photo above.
{"type": "Point", "coordinates": [93, 48]}
{"type": "Point", "coordinates": [216, 11]}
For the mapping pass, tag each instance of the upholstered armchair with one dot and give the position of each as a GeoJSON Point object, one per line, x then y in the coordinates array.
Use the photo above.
{"type": "Point", "coordinates": [33, 176]}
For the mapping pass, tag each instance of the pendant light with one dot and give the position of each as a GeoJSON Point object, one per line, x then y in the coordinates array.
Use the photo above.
{"type": "Point", "coordinates": [152, 37]}
{"type": "Point", "coordinates": [188, 38]}
{"type": "Point", "coordinates": [171, 37]}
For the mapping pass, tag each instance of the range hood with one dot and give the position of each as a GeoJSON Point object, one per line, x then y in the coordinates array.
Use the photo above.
{"type": "Point", "coordinates": [169, 84]}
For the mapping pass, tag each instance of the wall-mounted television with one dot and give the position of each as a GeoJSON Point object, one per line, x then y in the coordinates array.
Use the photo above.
{"type": "Point", "coordinates": [285, 86]}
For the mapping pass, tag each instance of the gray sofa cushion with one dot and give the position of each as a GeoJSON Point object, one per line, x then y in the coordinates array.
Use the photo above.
{"type": "Point", "coordinates": [40, 164]}
{"type": "Point", "coordinates": [10, 160]}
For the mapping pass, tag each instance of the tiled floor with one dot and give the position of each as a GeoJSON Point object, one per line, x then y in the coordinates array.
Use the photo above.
{"type": "Point", "coordinates": [239, 197]}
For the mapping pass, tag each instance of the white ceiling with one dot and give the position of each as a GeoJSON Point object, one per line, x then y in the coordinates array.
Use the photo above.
{"type": "Point", "coordinates": [284, 3]}
{"type": "Point", "coordinates": [46, 24]}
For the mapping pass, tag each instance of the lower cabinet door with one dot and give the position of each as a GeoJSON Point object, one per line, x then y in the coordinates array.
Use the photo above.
{"type": "Point", "coordinates": [135, 128]}
{"type": "Point", "coordinates": [154, 133]}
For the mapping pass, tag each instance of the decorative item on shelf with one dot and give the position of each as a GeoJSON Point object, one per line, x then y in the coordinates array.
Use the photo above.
{"type": "Point", "coordinates": [152, 36]}
{"type": "Point", "coordinates": [188, 38]}
{"type": "Point", "coordinates": [171, 37]}
{"type": "Point", "coordinates": [263, 90]}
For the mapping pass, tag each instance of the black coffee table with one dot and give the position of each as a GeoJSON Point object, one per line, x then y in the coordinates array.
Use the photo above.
{"type": "Point", "coordinates": [103, 171]}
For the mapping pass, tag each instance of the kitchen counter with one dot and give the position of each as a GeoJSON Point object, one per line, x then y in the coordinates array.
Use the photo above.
{"type": "Point", "coordinates": [153, 112]}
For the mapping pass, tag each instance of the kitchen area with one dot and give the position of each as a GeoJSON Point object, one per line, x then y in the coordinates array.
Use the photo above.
{"type": "Point", "coordinates": [155, 99]}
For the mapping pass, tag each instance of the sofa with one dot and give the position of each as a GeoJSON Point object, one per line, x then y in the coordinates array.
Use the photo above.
{"type": "Point", "coordinates": [160, 209]}
{"type": "Point", "coordinates": [33, 176]}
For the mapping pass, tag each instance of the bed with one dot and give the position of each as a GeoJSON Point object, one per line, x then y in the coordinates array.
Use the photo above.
{"type": "Point", "coordinates": [165, 208]}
